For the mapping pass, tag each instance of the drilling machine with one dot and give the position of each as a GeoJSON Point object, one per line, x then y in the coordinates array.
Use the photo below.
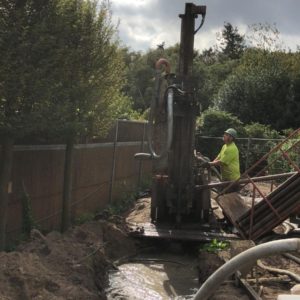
{"type": "Point", "coordinates": [171, 135]}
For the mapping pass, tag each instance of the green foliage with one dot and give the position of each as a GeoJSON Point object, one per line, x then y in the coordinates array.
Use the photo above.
{"type": "Point", "coordinates": [258, 91]}
{"type": "Point", "coordinates": [254, 150]}
{"type": "Point", "coordinates": [122, 108]}
{"type": "Point", "coordinates": [279, 164]}
{"type": "Point", "coordinates": [140, 72]}
{"type": "Point", "coordinates": [208, 78]}
{"type": "Point", "coordinates": [213, 123]}
{"type": "Point", "coordinates": [28, 222]}
{"type": "Point", "coordinates": [258, 81]}
{"type": "Point", "coordinates": [92, 69]}
{"type": "Point", "coordinates": [140, 79]}
{"type": "Point", "coordinates": [26, 60]}
{"type": "Point", "coordinates": [127, 195]}
{"type": "Point", "coordinates": [61, 69]}
{"type": "Point", "coordinates": [215, 246]}
{"type": "Point", "coordinates": [287, 132]}
{"type": "Point", "coordinates": [145, 183]}
{"type": "Point", "coordinates": [86, 217]}
{"type": "Point", "coordinates": [122, 203]}
{"type": "Point", "coordinates": [256, 130]}
{"type": "Point", "coordinates": [232, 42]}
{"type": "Point", "coordinates": [291, 114]}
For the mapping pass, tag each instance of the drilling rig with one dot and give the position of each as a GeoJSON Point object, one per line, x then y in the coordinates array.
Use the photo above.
{"type": "Point", "coordinates": [171, 134]}
{"type": "Point", "coordinates": [181, 184]}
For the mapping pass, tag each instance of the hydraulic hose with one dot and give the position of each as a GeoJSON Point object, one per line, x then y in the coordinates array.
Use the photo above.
{"type": "Point", "coordinates": [169, 95]}
{"type": "Point", "coordinates": [243, 259]}
{"type": "Point", "coordinates": [170, 99]}
{"type": "Point", "coordinates": [292, 275]}
{"type": "Point", "coordinates": [292, 257]}
{"type": "Point", "coordinates": [204, 159]}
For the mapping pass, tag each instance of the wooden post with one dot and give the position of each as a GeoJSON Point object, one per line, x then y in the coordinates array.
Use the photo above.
{"type": "Point", "coordinates": [113, 166]}
{"type": "Point", "coordinates": [5, 175]}
{"type": "Point", "coordinates": [67, 190]}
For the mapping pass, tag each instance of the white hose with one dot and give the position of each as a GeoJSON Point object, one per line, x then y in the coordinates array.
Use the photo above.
{"type": "Point", "coordinates": [292, 275]}
{"type": "Point", "coordinates": [167, 147]}
{"type": "Point", "coordinates": [170, 97]}
{"type": "Point", "coordinates": [243, 259]}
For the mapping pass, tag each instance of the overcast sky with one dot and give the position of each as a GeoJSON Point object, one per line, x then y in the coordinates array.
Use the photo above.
{"type": "Point", "coordinates": [145, 23]}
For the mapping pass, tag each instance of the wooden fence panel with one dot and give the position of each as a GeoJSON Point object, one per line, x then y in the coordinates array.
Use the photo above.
{"type": "Point", "coordinates": [92, 172]}
{"type": "Point", "coordinates": [41, 170]}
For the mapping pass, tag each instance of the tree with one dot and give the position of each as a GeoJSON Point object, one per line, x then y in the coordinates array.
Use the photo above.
{"type": "Point", "coordinates": [264, 36]}
{"type": "Point", "coordinates": [140, 70]}
{"type": "Point", "coordinates": [61, 69]}
{"type": "Point", "coordinates": [208, 79]}
{"type": "Point", "coordinates": [256, 130]}
{"type": "Point", "coordinates": [232, 42]}
{"type": "Point", "coordinates": [214, 123]}
{"type": "Point", "coordinates": [292, 63]}
{"type": "Point", "coordinates": [209, 56]}
{"type": "Point", "coordinates": [90, 80]}
{"type": "Point", "coordinates": [25, 43]}
{"type": "Point", "coordinates": [258, 91]}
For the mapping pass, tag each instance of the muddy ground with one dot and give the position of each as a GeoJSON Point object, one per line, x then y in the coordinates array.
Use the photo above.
{"type": "Point", "coordinates": [68, 266]}
{"type": "Point", "coordinates": [74, 265]}
{"type": "Point", "coordinates": [209, 262]}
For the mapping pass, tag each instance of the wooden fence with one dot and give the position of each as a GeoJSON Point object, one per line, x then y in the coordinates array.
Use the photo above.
{"type": "Point", "coordinates": [102, 172]}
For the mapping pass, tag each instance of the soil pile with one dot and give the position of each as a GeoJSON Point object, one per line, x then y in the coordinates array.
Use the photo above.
{"type": "Point", "coordinates": [140, 213]}
{"type": "Point", "coordinates": [69, 266]}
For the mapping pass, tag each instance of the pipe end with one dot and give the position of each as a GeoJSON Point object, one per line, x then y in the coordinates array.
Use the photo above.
{"type": "Point", "coordinates": [143, 156]}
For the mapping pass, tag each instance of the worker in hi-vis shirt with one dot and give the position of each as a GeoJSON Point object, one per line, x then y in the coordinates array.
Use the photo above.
{"type": "Point", "coordinates": [228, 159]}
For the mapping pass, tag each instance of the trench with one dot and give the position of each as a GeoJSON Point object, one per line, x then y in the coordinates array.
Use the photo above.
{"type": "Point", "coordinates": [175, 272]}
{"type": "Point", "coordinates": [160, 274]}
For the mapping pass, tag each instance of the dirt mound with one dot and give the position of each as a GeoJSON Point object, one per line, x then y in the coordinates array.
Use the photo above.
{"type": "Point", "coordinates": [69, 266]}
{"type": "Point", "coordinates": [140, 213]}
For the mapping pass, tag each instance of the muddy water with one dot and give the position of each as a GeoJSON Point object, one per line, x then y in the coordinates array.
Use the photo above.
{"type": "Point", "coordinates": [153, 277]}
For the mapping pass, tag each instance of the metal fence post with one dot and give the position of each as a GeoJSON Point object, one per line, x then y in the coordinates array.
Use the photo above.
{"type": "Point", "coordinates": [247, 154]}
{"type": "Point", "coordinates": [113, 167]}
{"type": "Point", "coordinates": [140, 161]}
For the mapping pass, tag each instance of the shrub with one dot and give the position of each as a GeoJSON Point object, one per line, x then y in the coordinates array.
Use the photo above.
{"type": "Point", "coordinates": [213, 123]}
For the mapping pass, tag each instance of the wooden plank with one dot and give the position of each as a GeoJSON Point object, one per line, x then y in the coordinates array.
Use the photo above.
{"type": "Point", "coordinates": [232, 205]}
{"type": "Point", "coordinates": [250, 291]}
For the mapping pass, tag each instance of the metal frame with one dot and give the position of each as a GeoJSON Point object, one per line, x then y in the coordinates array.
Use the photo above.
{"type": "Point", "coordinates": [285, 155]}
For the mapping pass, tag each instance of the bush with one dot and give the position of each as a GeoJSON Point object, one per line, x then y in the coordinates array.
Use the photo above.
{"type": "Point", "coordinates": [278, 164]}
{"type": "Point", "coordinates": [213, 123]}
{"type": "Point", "coordinates": [254, 150]}
{"type": "Point", "coordinates": [257, 130]}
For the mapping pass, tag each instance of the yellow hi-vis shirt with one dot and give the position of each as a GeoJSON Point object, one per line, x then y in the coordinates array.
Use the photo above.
{"type": "Point", "coordinates": [230, 167]}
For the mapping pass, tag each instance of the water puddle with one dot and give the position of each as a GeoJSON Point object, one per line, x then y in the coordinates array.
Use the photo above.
{"type": "Point", "coordinates": [153, 277]}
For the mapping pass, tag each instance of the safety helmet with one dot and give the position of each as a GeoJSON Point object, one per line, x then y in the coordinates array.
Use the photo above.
{"type": "Point", "coordinates": [231, 132]}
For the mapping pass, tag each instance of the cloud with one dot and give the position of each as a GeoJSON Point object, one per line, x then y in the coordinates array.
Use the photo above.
{"type": "Point", "coordinates": [146, 23]}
